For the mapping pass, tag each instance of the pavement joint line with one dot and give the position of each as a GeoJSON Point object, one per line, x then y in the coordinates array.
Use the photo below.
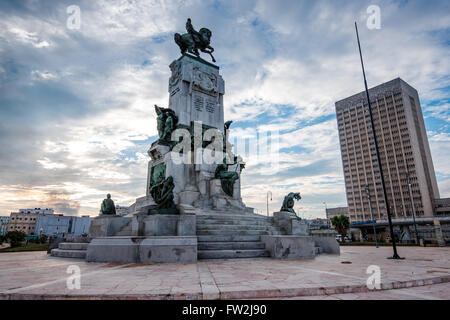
{"type": "Point", "coordinates": [44, 284]}
{"type": "Point", "coordinates": [208, 285]}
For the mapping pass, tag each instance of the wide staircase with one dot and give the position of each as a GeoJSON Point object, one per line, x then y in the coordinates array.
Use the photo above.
{"type": "Point", "coordinates": [229, 236]}
{"type": "Point", "coordinates": [70, 250]}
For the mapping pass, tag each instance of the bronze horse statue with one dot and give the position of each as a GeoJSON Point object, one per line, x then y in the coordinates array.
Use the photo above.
{"type": "Point", "coordinates": [193, 41]}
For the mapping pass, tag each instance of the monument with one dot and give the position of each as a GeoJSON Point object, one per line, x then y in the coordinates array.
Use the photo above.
{"type": "Point", "coordinates": [192, 206]}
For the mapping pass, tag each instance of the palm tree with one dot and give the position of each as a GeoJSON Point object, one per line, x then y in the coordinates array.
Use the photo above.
{"type": "Point", "coordinates": [341, 224]}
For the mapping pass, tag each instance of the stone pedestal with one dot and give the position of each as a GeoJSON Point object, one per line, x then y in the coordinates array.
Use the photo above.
{"type": "Point", "coordinates": [290, 223]}
{"type": "Point", "coordinates": [113, 249]}
{"type": "Point", "coordinates": [142, 205]}
{"type": "Point", "coordinates": [220, 200]}
{"type": "Point", "coordinates": [164, 224]}
{"type": "Point", "coordinates": [169, 225]}
{"type": "Point", "coordinates": [196, 92]}
{"type": "Point", "coordinates": [168, 250]}
{"type": "Point", "coordinates": [143, 250]}
{"type": "Point", "coordinates": [106, 225]}
{"type": "Point", "coordinates": [327, 242]}
{"type": "Point", "coordinates": [289, 247]}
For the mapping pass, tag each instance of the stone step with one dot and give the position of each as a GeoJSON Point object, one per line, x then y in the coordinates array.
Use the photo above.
{"type": "Point", "coordinates": [231, 237]}
{"type": "Point", "coordinates": [124, 232]}
{"type": "Point", "coordinates": [231, 245]}
{"type": "Point", "coordinates": [80, 254]}
{"type": "Point", "coordinates": [219, 232]}
{"type": "Point", "coordinates": [232, 254]}
{"type": "Point", "coordinates": [233, 217]}
{"type": "Point", "coordinates": [234, 227]}
{"type": "Point", "coordinates": [73, 246]}
{"type": "Point", "coordinates": [255, 222]}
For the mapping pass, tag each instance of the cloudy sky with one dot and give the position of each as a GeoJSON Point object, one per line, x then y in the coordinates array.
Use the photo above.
{"type": "Point", "coordinates": [76, 105]}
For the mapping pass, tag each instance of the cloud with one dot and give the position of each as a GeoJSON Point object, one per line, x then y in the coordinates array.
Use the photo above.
{"type": "Point", "coordinates": [77, 105]}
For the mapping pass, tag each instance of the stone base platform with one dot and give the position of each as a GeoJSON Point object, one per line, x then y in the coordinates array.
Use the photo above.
{"type": "Point", "coordinates": [146, 250]}
{"type": "Point", "coordinates": [36, 275]}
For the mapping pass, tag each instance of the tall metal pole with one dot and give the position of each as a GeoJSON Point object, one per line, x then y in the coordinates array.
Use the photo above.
{"type": "Point", "coordinates": [267, 199]}
{"type": "Point", "coordinates": [412, 207]}
{"type": "Point", "coordinates": [371, 215]}
{"type": "Point", "coordinates": [326, 215]}
{"type": "Point", "coordinates": [388, 209]}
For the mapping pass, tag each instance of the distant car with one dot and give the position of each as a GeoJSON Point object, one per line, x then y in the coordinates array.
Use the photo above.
{"type": "Point", "coordinates": [339, 238]}
{"type": "Point", "coordinates": [347, 239]}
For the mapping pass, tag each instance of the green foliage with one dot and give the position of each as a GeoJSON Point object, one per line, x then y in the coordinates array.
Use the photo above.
{"type": "Point", "coordinates": [15, 237]}
{"type": "Point", "coordinates": [29, 247]}
{"type": "Point", "coordinates": [341, 224]}
{"type": "Point", "coordinates": [43, 238]}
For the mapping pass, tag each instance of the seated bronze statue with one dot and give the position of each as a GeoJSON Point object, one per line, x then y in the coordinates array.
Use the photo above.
{"type": "Point", "coordinates": [108, 207]}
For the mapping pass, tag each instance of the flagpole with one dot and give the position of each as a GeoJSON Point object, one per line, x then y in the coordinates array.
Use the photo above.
{"type": "Point", "coordinates": [388, 209]}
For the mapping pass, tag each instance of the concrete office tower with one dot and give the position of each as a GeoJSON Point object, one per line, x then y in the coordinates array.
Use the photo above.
{"type": "Point", "coordinates": [404, 151]}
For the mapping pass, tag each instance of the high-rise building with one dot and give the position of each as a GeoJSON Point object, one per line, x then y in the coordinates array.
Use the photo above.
{"type": "Point", "coordinates": [404, 151]}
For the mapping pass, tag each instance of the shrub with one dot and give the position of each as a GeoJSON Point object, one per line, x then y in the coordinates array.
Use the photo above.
{"type": "Point", "coordinates": [15, 237]}
{"type": "Point", "coordinates": [43, 238]}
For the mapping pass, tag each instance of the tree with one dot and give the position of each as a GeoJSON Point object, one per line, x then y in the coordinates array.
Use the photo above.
{"type": "Point", "coordinates": [15, 237]}
{"type": "Point", "coordinates": [341, 224]}
{"type": "Point", "coordinates": [43, 238]}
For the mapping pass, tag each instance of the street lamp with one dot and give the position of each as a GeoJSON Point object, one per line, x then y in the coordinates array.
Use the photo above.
{"type": "Point", "coordinates": [326, 215]}
{"type": "Point", "coordinates": [267, 200]}
{"type": "Point", "coordinates": [412, 206]}
{"type": "Point", "coordinates": [371, 215]}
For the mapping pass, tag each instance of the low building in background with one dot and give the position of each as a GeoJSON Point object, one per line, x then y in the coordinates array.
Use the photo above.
{"type": "Point", "coordinates": [333, 212]}
{"type": "Point", "coordinates": [318, 224]}
{"type": "Point", "coordinates": [58, 225]}
{"type": "Point", "coordinates": [442, 207]}
{"type": "Point", "coordinates": [4, 221]}
{"type": "Point", "coordinates": [25, 219]}
{"type": "Point", "coordinates": [37, 211]}
{"type": "Point", "coordinates": [121, 210]}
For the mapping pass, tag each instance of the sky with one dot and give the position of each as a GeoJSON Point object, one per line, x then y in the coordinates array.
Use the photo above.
{"type": "Point", "coordinates": [76, 104]}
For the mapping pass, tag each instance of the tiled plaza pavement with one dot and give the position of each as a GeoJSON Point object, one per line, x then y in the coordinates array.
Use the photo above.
{"type": "Point", "coordinates": [434, 292]}
{"type": "Point", "coordinates": [35, 275]}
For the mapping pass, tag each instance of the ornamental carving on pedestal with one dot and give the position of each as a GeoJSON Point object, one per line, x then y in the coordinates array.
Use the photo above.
{"type": "Point", "coordinates": [175, 67]}
{"type": "Point", "coordinates": [204, 81]}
